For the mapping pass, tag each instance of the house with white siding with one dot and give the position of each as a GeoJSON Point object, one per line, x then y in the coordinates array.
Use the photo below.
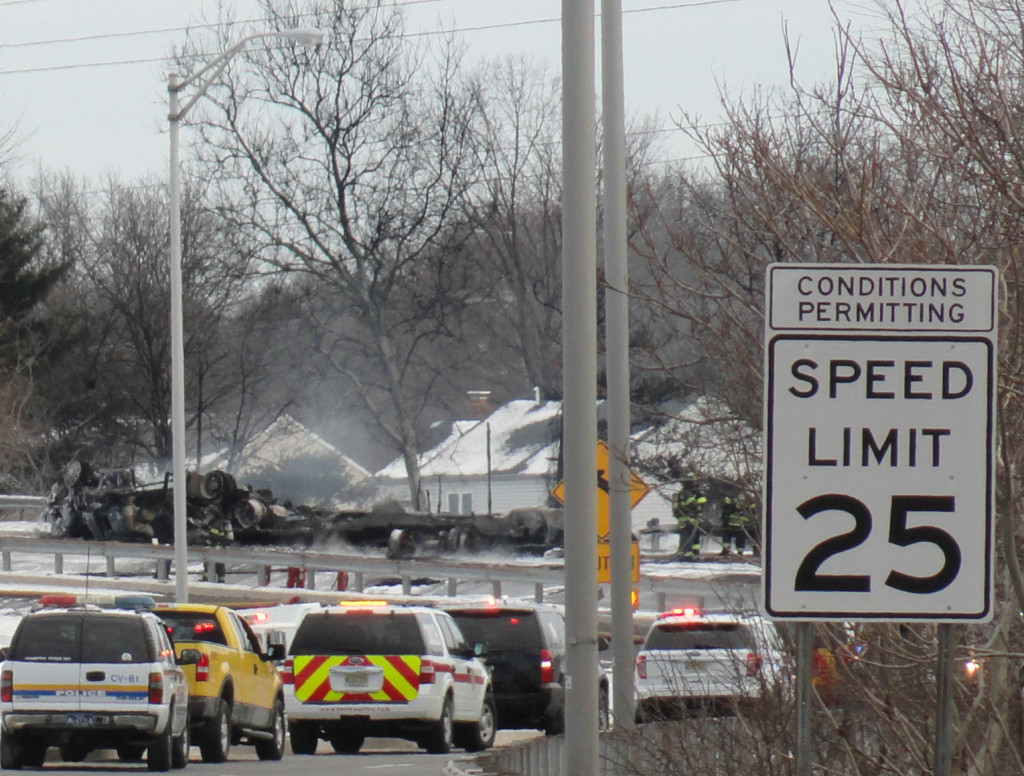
{"type": "Point", "coordinates": [506, 460]}
{"type": "Point", "coordinates": [489, 465]}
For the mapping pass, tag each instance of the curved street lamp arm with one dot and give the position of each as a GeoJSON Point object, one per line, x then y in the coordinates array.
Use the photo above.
{"type": "Point", "coordinates": [305, 36]}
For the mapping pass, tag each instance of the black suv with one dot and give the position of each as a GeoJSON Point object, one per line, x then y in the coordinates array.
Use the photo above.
{"type": "Point", "coordinates": [525, 650]}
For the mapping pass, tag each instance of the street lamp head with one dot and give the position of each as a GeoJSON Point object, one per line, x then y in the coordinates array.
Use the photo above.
{"type": "Point", "coordinates": [306, 36]}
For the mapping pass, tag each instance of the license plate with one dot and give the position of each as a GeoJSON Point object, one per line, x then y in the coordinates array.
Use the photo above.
{"type": "Point", "coordinates": [353, 679]}
{"type": "Point", "coordinates": [81, 720]}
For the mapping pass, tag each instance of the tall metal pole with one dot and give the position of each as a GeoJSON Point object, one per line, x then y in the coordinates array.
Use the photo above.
{"type": "Point", "coordinates": [579, 356]}
{"type": "Point", "coordinates": [305, 36]}
{"type": "Point", "coordinates": [616, 297]}
{"type": "Point", "coordinates": [177, 359]}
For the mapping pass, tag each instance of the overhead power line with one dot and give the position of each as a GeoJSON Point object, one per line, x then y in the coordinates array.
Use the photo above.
{"type": "Point", "coordinates": [169, 30]}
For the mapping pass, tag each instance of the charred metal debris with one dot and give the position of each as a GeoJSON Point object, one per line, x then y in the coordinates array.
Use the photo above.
{"type": "Point", "coordinates": [110, 505]}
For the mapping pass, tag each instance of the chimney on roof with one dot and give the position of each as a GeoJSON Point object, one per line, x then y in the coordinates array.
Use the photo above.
{"type": "Point", "coordinates": [479, 404]}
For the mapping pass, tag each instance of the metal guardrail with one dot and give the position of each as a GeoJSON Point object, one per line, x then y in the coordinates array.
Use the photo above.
{"type": "Point", "coordinates": [659, 589]}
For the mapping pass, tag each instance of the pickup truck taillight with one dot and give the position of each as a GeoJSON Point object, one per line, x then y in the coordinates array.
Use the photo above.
{"type": "Point", "coordinates": [203, 668]}
{"type": "Point", "coordinates": [156, 687]}
{"type": "Point", "coordinates": [288, 672]}
{"type": "Point", "coordinates": [754, 661]}
{"type": "Point", "coordinates": [7, 686]}
{"type": "Point", "coordinates": [427, 672]}
{"type": "Point", "coordinates": [641, 666]}
{"type": "Point", "coordinates": [547, 673]}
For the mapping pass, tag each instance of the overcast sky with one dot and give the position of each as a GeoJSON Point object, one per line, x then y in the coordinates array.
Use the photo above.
{"type": "Point", "coordinates": [86, 81]}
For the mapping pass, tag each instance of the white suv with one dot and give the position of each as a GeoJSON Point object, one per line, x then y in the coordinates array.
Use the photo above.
{"type": "Point", "coordinates": [372, 669]}
{"type": "Point", "coordinates": [85, 678]}
{"type": "Point", "coordinates": [715, 662]}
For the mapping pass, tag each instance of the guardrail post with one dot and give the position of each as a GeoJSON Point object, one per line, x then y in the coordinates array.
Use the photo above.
{"type": "Point", "coordinates": [496, 588]}
{"type": "Point", "coordinates": [311, 579]}
{"type": "Point", "coordinates": [538, 592]}
{"type": "Point", "coordinates": [6, 559]}
{"type": "Point", "coordinates": [406, 585]}
{"type": "Point", "coordinates": [262, 576]}
{"type": "Point", "coordinates": [111, 571]}
{"type": "Point", "coordinates": [453, 586]}
{"type": "Point", "coordinates": [58, 563]}
{"type": "Point", "coordinates": [163, 569]}
{"type": "Point", "coordinates": [357, 582]}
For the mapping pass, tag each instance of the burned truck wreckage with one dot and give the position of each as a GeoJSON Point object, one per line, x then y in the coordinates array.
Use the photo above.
{"type": "Point", "coordinates": [111, 505]}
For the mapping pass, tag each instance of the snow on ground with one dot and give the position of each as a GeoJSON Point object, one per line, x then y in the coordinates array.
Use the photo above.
{"type": "Point", "coordinates": [33, 575]}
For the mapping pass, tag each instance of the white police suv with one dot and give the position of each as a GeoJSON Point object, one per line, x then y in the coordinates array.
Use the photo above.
{"type": "Point", "coordinates": [83, 678]}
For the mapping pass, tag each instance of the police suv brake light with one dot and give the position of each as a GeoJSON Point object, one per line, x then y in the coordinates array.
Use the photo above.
{"type": "Point", "coordinates": [641, 666]}
{"type": "Point", "coordinates": [288, 672]}
{"type": "Point", "coordinates": [7, 686]}
{"type": "Point", "coordinates": [156, 688]}
{"type": "Point", "coordinates": [754, 662]}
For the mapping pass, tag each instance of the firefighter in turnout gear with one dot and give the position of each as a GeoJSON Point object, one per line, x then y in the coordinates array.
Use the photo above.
{"type": "Point", "coordinates": [737, 521]}
{"type": "Point", "coordinates": [688, 508]}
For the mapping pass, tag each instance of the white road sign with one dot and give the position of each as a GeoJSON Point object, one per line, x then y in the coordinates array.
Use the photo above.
{"type": "Point", "coordinates": [879, 403]}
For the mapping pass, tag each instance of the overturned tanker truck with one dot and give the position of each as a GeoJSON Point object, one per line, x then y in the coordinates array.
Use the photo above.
{"type": "Point", "coordinates": [111, 505]}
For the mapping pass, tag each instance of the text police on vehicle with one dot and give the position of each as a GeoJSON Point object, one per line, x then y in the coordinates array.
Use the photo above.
{"type": "Point", "coordinates": [879, 438]}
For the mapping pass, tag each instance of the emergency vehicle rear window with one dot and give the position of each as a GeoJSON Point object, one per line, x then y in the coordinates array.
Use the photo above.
{"type": "Point", "coordinates": [698, 636]}
{"type": "Point", "coordinates": [75, 638]}
{"type": "Point", "coordinates": [358, 633]}
{"type": "Point", "coordinates": [500, 630]}
{"type": "Point", "coordinates": [192, 626]}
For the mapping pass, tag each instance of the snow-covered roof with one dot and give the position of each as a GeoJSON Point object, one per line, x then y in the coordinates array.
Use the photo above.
{"type": "Point", "coordinates": [284, 440]}
{"type": "Point", "coordinates": [706, 439]}
{"type": "Point", "coordinates": [523, 438]}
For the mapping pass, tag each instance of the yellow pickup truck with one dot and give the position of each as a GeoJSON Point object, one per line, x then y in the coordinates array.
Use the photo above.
{"type": "Point", "coordinates": [235, 693]}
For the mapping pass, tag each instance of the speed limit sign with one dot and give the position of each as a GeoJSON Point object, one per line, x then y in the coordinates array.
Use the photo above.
{"type": "Point", "coordinates": [879, 400]}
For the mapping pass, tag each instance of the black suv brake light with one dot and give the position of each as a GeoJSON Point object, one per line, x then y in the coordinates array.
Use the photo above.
{"type": "Point", "coordinates": [547, 672]}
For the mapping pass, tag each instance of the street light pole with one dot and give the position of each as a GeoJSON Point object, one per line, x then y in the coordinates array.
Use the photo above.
{"type": "Point", "coordinates": [307, 37]}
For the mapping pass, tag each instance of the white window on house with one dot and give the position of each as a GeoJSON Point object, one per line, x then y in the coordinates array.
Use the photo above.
{"type": "Point", "coordinates": [460, 503]}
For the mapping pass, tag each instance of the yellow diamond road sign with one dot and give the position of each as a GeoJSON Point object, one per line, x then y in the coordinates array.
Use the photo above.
{"type": "Point", "coordinates": [637, 490]}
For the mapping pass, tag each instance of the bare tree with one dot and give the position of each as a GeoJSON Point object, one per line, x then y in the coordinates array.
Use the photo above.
{"type": "Point", "coordinates": [347, 164]}
{"type": "Point", "coordinates": [914, 154]}
{"type": "Point", "coordinates": [112, 392]}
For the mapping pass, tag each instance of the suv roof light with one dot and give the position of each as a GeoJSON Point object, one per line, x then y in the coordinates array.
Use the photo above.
{"type": "Point", "coordinates": [682, 611]}
{"type": "Point", "coordinates": [363, 604]}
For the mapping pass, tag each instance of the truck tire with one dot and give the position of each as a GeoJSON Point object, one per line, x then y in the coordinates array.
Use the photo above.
{"type": "Point", "coordinates": [181, 745]}
{"type": "Point", "coordinates": [304, 737]}
{"type": "Point", "coordinates": [159, 756]}
{"type": "Point", "coordinates": [273, 748]}
{"type": "Point", "coordinates": [215, 744]}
